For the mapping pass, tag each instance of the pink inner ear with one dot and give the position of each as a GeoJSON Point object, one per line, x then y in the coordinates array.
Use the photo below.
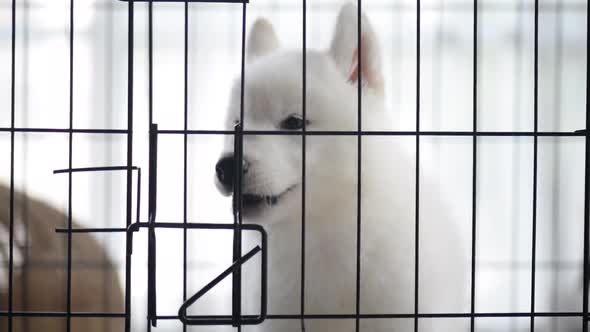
{"type": "Point", "coordinates": [353, 76]}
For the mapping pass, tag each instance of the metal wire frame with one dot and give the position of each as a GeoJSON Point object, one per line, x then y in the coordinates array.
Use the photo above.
{"type": "Point", "coordinates": [239, 132]}
{"type": "Point", "coordinates": [585, 318]}
{"type": "Point", "coordinates": [399, 6]}
{"type": "Point", "coordinates": [474, 170]}
{"type": "Point", "coordinates": [417, 176]}
{"type": "Point", "coordinates": [435, 133]}
{"type": "Point", "coordinates": [185, 162]}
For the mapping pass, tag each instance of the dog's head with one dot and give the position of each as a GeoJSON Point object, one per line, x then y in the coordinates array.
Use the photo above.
{"type": "Point", "coordinates": [273, 101]}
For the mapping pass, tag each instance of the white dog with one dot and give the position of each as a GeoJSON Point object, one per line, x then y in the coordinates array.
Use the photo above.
{"type": "Point", "coordinates": [272, 191]}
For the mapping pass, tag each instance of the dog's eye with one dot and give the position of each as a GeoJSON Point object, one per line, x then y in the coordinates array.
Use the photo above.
{"type": "Point", "coordinates": [293, 122]}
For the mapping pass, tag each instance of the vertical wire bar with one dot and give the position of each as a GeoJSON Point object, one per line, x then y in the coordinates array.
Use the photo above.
{"type": "Point", "coordinates": [237, 211]}
{"type": "Point", "coordinates": [138, 195]}
{"type": "Point", "coordinates": [417, 189]}
{"type": "Point", "coordinates": [70, 151]}
{"type": "Point", "coordinates": [359, 161]}
{"type": "Point", "coordinates": [237, 245]}
{"type": "Point", "coordinates": [587, 181]}
{"type": "Point", "coordinates": [185, 161]}
{"type": "Point", "coordinates": [535, 158]}
{"type": "Point", "coordinates": [242, 77]}
{"type": "Point", "coordinates": [151, 283]}
{"type": "Point", "coordinates": [474, 172]}
{"type": "Point", "coordinates": [152, 210]}
{"type": "Point", "coordinates": [12, 123]}
{"type": "Point", "coordinates": [129, 237]}
{"type": "Point", "coordinates": [303, 160]}
{"type": "Point", "coordinates": [150, 62]}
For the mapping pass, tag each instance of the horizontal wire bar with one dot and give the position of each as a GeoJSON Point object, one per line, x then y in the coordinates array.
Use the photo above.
{"type": "Point", "coordinates": [307, 316]}
{"type": "Point", "coordinates": [137, 225]}
{"type": "Point", "coordinates": [93, 169]}
{"type": "Point", "coordinates": [374, 133]}
{"type": "Point", "coordinates": [385, 316]}
{"type": "Point", "coordinates": [183, 1]}
{"type": "Point", "coordinates": [91, 230]}
{"type": "Point", "coordinates": [76, 263]}
{"type": "Point", "coordinates": [182, 225]}
{"type": "Point", "coordinates": [160, 225]}
{"type": "Point", "coordinates": [31, 265]}
{"type": "Point", "coordinates": [64, 130]}
{"type": "Point", "coordinates": [577, 133]}
{"type": "Point", "coordinates": [62, 314]}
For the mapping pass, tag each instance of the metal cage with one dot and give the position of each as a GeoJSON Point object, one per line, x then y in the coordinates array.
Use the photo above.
{"type": "Point", "coordinates": [152, 226]}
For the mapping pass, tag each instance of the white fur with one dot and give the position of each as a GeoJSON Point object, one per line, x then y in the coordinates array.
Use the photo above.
{"type": "Point", "coordinates": [274, 91]}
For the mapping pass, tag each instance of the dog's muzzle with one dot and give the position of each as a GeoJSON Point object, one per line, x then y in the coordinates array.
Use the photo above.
{"type": "Point", "coordinates": [225, 170]}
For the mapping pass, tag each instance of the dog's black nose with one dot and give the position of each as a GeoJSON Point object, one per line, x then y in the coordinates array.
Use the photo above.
{"type": "Point", "coordinates": [225, 170]}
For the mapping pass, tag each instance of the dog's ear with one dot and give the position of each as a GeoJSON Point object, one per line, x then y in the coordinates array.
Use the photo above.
{"type": "Point", "coordinates": [262, 40]}
{"type": "Point", "coordinates": [345, 50]}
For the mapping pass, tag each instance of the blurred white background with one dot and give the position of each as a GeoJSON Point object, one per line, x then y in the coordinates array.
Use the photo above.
{"type": "Point", "coordinates": [505, 103]}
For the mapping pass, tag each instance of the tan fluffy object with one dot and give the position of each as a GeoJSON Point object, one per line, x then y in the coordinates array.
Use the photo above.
{"type": "Point", "coordinates": [40, 274]}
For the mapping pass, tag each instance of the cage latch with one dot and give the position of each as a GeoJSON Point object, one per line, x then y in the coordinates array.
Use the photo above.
{"type": "Point", "coordinates": [234, 267]}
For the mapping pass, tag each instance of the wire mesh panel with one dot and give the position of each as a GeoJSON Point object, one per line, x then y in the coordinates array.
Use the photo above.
{"type": "Point", "coordinates": [515, 183]}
